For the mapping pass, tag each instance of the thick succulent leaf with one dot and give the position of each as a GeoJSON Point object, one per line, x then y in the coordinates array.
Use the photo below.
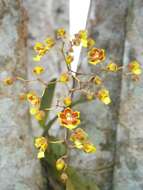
{"type": "Point", "coordinates": [46, 99]}
{"type": "Point", "coordinates": [54, 152]}
{"type": "Point", "coordinates": [79, 181]}
{"type": "Point", "coordinates": [50, 123]}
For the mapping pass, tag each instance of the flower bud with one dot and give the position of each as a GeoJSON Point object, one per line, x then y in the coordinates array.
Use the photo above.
{"type": "Point", "coordinates": [67, 101]}
{"type": "Point", "coordinates": [60, 164]}
{"type": "Point", "coordinates": [38, 70]}
{"type": "Point", "coordinates": [64, 78]}
{"type": "Point", "coordinates": [61, 33]}
{"type": "Point", "coordinates": [97, 80]}
{"type": "Point", "coordinates": [112, 67]}
{"type": "Point", "coordinates": [69, 59]}
{"type": "Point", "coordinates": [64, 177]}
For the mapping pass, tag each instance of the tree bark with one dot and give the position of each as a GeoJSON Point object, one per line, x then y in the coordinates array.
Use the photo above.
{"type": "Point", "coordinates": [19, 167]}
{"type": "Point", "coordinates": [106, 24]}
{"type": "Point", "coordinates": [128, 173]}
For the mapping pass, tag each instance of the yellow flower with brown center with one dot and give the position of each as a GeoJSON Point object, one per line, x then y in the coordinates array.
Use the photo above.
{"type": "Point", "coordinates": [41, 49]}
{"type": "Point", "coordinates": [82, 34]}
{"type": "Point", "coordinates": [33, 98]}
{"type": "Point", "coordinates": [135, 68]}
{"type": "Point", "coordinates": [69, 59]}
{"type": "Point", "coordinates": [61, 33]}
{"type": "Point", "coordinates": [78, 134]}
{"type": "Point", "coordinates": [67, 101]}
{"type": "Point", "coordinates": [49, 42]}
{"type": "Point", "coordinates": [78, 137]}
{"type": "Point", "coordinates": [60, 164]}
{"type": "Point", "coordinates": [83, 37]}
{"type": "Point", "coordinates": [88, 147]}
{"type": "Point", "coordinates": [97, 80]}
{"type": "Point", "coordinates": [80, 38]}
{"type": "Point", "coordinates": [76, 41]}
{"type": "Point", "coordinates": [69, 118]}
{"type": "Point", "coordinates": [90, 43]}
{"type": "Point", "coordinates": [41, 143]}
{"type": "Point", "coordinates": [103, 96]}
{"type": "Point", "coordinates": [112, 67]}
{"type": "Point", "coordinates": [38, 70]}
{"type": "Point", "coordinates": [8, 81]}
{"type": "Point", "coordinates": [96, 56]}
{"type": "Point", "coordinates": [64, 78]}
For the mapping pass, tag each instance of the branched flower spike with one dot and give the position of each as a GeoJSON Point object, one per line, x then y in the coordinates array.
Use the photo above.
{"type": "Point", "coordinates": [90, 86]}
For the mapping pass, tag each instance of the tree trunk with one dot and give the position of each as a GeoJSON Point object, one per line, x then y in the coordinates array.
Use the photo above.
{"type": "Point", "coordinates": [115, 129]}
{"type": "Point", "coordinates": [106, 24]}
{"type": "Point", "coordinates": [19, 167]}
{"type": "Point", "coordinates": [129, 157]}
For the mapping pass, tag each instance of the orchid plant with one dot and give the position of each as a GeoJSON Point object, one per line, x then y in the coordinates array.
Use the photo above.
{"type": "Point", "coordinates": [68, 118]}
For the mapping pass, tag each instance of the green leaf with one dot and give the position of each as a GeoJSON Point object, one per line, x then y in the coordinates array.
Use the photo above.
{"type": "Point", "coordinates": [50, 123]}
{"type": "Point", "coordinates": [80, 181]}
{"type": "Point", "coordinates": [69, 185]}
{"type": "Point", "coordinates": [46, 99]}
{"type": "Point", "coordinates": [58, 150]}
{"type": "Point", "coordinates": [55, 150]}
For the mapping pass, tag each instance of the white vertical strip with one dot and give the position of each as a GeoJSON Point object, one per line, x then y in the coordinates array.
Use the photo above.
{"type": "Point", "coordinates": [78, 17]}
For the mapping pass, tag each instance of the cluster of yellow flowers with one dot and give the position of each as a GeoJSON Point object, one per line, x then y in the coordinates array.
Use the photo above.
{"type": "Point", "coordinates": [42, 48]}
{"type": "Point", "coordinates": [80, 140]}
{"type": "Point", "coordinates": [41, 144]}
{"type": "Point", "coordinates": [82, 38]}
{"type": "Point", "coordinates": [68, 118]}
{"type": "Point", "coordinates": [35, 101]}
